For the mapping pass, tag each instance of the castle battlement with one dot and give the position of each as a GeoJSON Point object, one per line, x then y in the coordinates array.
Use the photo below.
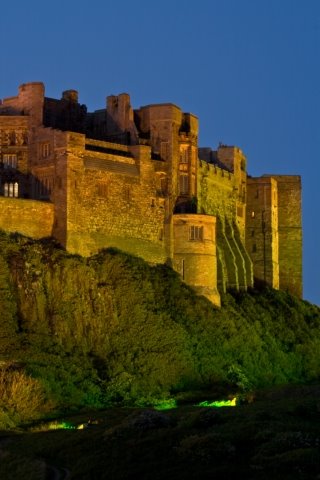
{"type": "Point", "coordinates": [137, 180]}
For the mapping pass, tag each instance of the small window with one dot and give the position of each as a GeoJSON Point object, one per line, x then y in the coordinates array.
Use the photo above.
{"type": "Point", "coordinates": [239, 211]}
{"type": "Point", "coordinates": [252, 233]}
{"type": "Point", "coordinates": [11, 189]}
{"type": "Point", "coordinates": [254, 248]}
{"type": "Point", "coordinates": [9, 160]}
{"type": "Point", "coordinates": [183, 184]}
{"type": "Point", "coordinates": [45, 150]}
{"type": "Point", "coordinates": [102, 189]}
{"type": "Point", "coordinates": [196, 233]}
{"type": "Point", "coordinates": [184, 155]}
{"type": "Point", "coordinates": [252, 214]}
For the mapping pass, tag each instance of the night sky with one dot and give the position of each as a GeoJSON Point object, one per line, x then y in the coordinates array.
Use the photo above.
{"type": "Point", "coordinates": [249, 69]}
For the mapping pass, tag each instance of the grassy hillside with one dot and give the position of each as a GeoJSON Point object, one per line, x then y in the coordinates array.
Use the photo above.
{"type": "Point", "coordinates": [112, 330]}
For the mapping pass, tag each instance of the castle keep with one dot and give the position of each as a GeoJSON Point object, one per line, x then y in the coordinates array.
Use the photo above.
{"type": "Point", "coordinates": [136, 180]}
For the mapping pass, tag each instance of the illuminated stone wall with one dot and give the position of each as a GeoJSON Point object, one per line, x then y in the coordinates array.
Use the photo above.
{"type": "Point", "coordinates": [27, 217]}
{"type": "Point", "coordinates": [262, 240]}
{"type": "Point", "coordinates": [290, 233]}
{"type": "Point", "coordinates": [195, 253]}
{"type": "Point", "coordinates": [112, 199]}
{"type": "Point", "coordinates": [136, 180]}
{"type": "Point", "coordinates": [218, 194]}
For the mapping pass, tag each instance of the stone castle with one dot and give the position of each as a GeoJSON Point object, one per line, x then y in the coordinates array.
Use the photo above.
{"type": "Point", "coordinates": [137, 180]}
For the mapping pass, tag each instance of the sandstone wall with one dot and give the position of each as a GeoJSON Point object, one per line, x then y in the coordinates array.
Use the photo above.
{"type": "Point", "coordinates": [28, 217]}
{"type": "Point", "coordinates": [262, 239]}
{"type": "Point", "coordinates": [112, 201]}
{"type": "Point", "coordinates": [195, 253]}
{"type": "Point", "coordinates": [218, 196]}
{"type": "Point", "coordinates": [290, 233]}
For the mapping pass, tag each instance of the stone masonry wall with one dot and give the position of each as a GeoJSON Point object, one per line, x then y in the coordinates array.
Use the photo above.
{"type": "Point", "coordinates": [290, 233]}
{"type": "Point", "coordinates": [262, 229]}
{"type": "Point", "coordinates": [195, 253]}
{"type": "Point", "coordinates": [28, 217]}
{"type": "Point", "coordinates": [216, 196]}
{"type": "Point", "coordinates": [112, 201]}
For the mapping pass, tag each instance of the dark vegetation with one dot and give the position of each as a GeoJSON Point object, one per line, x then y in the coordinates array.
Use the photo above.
{"type": "Point", "coordinates": [109, 337]}
{"type": "Point", "coordinates": [277, 436]}
{"type": "Point", "coordinates": [111, 330]}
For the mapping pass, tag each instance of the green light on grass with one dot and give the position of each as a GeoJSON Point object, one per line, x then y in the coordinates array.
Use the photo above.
{"type": "Point", "coordinates": [219, 403]}
{"type": "Point", "coordinates": [165, 404]}
{"type": "Point", "coordinates": [61, 426]}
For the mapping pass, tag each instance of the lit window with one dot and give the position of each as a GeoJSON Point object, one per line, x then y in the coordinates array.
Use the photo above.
{"type": "Point", "coordinates": [9, 160]}
{"type": "Point", "coordinates": [11, 190]}
{"type": "Point", "coordinates": [196, 233]}
{"type": "Point", "coordinates": [252, 214]}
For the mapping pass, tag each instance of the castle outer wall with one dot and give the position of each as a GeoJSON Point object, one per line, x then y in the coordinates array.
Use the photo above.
{"type": "Point", "coordinates": [136, 180]}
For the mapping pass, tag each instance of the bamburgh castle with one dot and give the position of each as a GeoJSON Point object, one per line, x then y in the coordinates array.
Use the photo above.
{"type": "Point", "coordinates": [137, 180]}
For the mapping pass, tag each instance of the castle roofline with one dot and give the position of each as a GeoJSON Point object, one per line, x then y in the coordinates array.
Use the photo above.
{"type": "Point", "coordinates": [166, 104]}
{"type": "Point", "coordinates": [276, 175]}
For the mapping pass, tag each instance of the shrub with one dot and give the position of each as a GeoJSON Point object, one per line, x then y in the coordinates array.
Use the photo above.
{"type": "Point", "coordinates": [22, 398]}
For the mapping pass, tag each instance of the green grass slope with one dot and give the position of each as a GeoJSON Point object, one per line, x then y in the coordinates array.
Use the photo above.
{"type": "Point", "coordinates": [112, 330]}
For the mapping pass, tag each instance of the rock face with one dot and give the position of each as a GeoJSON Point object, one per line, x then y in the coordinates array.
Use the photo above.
{"type": "Point", "coordinates": [122, 178]}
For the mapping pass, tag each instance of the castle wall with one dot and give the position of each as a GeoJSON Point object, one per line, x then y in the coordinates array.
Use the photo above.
{"type": "Point", "coordinates": [140, 191]}
{"type": "Point", "coordinates": [29, 101]}
{"type": "Point", "coordinates": [195, 253]}
{"type": "Point", "coordinates": [112, 201]}
{"type": "Point", "coordinates": [162, 125]}
{"type": "Point", "coordinates": [28, 217]}
{"type": "Point", "coordinates": [14, 140]}
{"type": "Point", "coordinates": [262, 241]}
{"type": "Point", "coordinates": [290, 233]}
{"type": "Point", "coordinates": [217, 195]}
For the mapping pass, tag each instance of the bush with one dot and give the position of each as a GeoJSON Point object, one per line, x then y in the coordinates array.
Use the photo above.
{"type": "Point", "coordinates": [22, 398]}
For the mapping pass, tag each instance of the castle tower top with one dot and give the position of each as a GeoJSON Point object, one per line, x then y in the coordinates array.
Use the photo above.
{"type": "Point", "coordinates": [70, 96]}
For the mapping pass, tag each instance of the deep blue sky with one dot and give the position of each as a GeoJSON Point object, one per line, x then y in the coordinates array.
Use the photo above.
{"type": "Point", "coordinates": [250, 70]}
